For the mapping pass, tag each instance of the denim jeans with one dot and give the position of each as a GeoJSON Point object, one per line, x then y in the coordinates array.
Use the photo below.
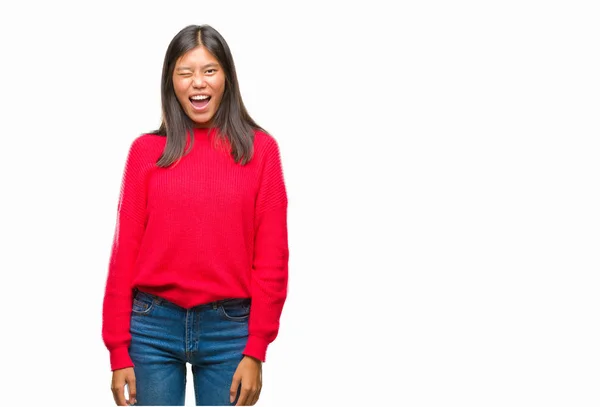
{"type": "Point", "coordinates": [165, 337]}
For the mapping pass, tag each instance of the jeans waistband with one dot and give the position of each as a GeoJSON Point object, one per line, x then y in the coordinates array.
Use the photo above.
{"type": "Point", "coordinates": [214, 304]}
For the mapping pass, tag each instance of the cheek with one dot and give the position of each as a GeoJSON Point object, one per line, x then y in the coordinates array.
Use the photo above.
{"type": "Point", "coordinates": [220, 88]}
{"type": "Point", "coordinates": [180, 87]}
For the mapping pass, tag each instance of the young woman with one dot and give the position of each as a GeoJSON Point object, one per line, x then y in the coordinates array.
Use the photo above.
{"type": "Point", "coordinates": [198, 270]}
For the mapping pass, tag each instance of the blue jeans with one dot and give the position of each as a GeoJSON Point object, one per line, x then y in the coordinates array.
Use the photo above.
{"type": "Point", "coordinates": [165, 337]}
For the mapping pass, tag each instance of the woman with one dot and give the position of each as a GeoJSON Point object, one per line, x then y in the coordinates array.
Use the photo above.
{"type": "Point", "coordinates": [199, 264]}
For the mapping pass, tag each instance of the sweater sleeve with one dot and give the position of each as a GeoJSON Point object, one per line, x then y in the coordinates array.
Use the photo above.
{"type": "Point", "coordinates": [269, 276]}
{"type": "Point", "coordinates": [129, 229]}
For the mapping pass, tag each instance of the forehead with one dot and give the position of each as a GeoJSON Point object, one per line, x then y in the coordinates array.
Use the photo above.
{"type": "Point", "coordinates": [198, 56]}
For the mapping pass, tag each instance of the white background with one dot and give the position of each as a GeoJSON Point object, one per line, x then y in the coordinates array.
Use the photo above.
{"type": "Point", "coordinates": [441, 160]}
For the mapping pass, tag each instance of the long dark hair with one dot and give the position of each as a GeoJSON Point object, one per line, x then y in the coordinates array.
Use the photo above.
{"type": "Point", "coordinates": [231, 120]}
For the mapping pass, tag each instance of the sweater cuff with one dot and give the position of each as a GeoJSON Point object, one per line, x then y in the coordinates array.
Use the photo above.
{"type": "Point", "coordinates": [119, 359]}
{"type": "Point", "coordinates": [256, 347]}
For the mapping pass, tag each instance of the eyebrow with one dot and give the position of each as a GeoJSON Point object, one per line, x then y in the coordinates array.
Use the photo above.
{"type": "Point", "coordinates": [210, 65]}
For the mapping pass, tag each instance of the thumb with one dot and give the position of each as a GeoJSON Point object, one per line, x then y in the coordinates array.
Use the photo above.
{"type": "Point", "coordinates": [131, 389]}
{"type": "Point", "coordinates": [233, 390]}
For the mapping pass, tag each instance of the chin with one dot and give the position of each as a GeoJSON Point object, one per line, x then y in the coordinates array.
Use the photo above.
{"type": "Point", "coordinates": [201, 121]}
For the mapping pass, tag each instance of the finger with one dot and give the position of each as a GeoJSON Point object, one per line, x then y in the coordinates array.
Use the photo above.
{"type": "Point", "coordinates": [245, 394]}
{"type": "Point", "coordinates": [251, 398]}
{"type": "Point", "coordinates": [132, 391]}
{"type": "Point", "coordinates": [119, 395]}
{"type": "Point", "coordinates": [233, 390]}
{"type": "Point", "coordinates": [256, 396]}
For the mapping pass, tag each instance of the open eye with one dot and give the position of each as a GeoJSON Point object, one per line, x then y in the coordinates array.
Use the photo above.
{"type": "Point", "coordinates": [211, 71]}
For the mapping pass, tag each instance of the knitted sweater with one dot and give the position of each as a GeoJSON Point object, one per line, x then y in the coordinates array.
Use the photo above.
{"type": "Point", "coordinates": [202, 230]}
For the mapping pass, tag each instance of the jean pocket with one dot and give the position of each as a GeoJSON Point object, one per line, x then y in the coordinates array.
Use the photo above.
{"type": "Point", "coordinates": [235, 310]}
{"type": "Point", "coordinates": [143, 303]}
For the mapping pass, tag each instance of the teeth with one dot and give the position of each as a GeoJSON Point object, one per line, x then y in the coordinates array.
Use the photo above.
{"type": "Point", "coordinates": [199, 97]}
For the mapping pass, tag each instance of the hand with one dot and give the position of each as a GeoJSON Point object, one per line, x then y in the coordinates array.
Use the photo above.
{"type": "Point", "coordinates": [119, 379]}
{"type": "Point", "coordinates": [249, 374]}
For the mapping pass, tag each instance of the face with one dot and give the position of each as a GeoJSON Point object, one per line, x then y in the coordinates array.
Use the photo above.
{"type": "Point", "coordinates": [199, 83]}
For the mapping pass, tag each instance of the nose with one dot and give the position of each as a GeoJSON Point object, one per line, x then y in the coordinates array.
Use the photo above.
{"type": "Point", "coordinates": [198, 81]}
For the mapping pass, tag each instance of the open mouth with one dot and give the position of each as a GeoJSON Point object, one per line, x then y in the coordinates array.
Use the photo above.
{"type": "Point", "coordinates": [199, 101]}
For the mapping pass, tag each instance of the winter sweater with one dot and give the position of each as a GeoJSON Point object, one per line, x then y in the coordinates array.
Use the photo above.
{"type": "Point", "coordinates": [199, 231]}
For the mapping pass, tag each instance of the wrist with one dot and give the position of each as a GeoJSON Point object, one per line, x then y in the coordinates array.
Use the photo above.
{"type": "Point", "coordinates": [258, 361]}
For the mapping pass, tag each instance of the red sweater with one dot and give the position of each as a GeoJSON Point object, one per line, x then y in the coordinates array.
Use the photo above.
{"type": "Point", "coordinates": [202, 230]}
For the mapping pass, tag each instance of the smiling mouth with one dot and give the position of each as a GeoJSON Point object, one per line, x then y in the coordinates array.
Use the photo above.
{"type": "Point", "coordinates": [199, 102]}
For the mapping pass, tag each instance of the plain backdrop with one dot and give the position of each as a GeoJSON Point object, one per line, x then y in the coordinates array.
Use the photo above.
{"type": "Point", "coordinates": [441, 161]}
